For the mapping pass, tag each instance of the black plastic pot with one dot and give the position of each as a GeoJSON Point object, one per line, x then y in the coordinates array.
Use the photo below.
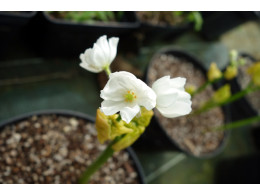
{"type": "Point", "coordinates": [239, 170]}
{"type": "Point", "coordinates": [79, 115]}
{"type": "Point", "coordinates": [153, 32]}
{"type": "Point", "coordinates": [155, 134]}
{"type": "Point", "coordinates": [241, 108]}
{"type": "Point", "coordinates": [65, 38]}
{"type": "Point", "coordinates": [11, 24]}
{"type": "Point", "coordinates": [216, 23]}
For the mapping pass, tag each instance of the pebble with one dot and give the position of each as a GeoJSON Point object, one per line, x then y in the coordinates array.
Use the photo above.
{"type": "Point", "coordinates": [67, 129]}
{"type": "Point", "coordinates": [37, 125]}
{"type": "Point", "coordinates": [73, 122]}
{"type": "Point", "coordinates": [13, 153]}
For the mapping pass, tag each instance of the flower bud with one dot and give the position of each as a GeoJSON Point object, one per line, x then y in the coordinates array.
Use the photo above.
{"type": "Point", "coordinates": [230, 73]}
{"type": "Point", "coordinates": [108, 127]}
{"type": "Point", "coordinates": [222, 94]}
{"type": "Point", "coordinates": [254, 72]}
{"type": "Point", "coordinates": [138, 125]}
{"type": "Point", "coordinates": [190, 89]}
{"type": "Point", "coordinates": [214, 72]}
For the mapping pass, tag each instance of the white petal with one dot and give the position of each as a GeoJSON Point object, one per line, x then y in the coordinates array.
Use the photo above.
{"type": "Point", "coordinates": [166, 99]}
{"type": "Point", "coordinates": [179, 108]}
{"type": "Point", "coordinates": [99, 56]}
{"type": "Point", "coordinates": [109, 107]}
{"type": "Point", "coordinates": [161, 85]}
{"type": "Point", "coordinates": [103, 46]}
{"type": "Point", "coordinates": [113, 48]}
{"type": "Point", "coordinates": [128, 113]}
{"type": "Point", "coordinates": [178, 83]}
{"type": "Point", "coordinates": [172, 100]}
{"type": "Point", "coordinates": [86, 65]}
{"type": "Point", "coordinates": [122, 74]}
{"type": "Point", "coordinates": [112, 93]}
{"type": "Point", "coordinates": [146, 97]}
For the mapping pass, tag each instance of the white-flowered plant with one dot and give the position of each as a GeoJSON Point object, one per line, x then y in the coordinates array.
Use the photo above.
{"type": "Point", "coordinates": [172, 99]}
{"type": "Point", "coordinates": [100, 57]}
{"type": "Point", "coordinates": [131, 98]}
{"type": "Point", "coordinates": [125, 93]}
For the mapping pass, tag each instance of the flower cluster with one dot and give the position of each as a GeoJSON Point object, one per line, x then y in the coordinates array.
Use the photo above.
{"type": "Point", "coordinates": [126, 94]}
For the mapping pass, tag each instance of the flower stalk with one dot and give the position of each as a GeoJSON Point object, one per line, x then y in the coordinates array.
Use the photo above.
{"type": "Point", "coordinates": [107, 70]}
{"type": "Point", "coordinates": [96, 165]}
{"type": "Point", "coordinates": [212, 104]}
{"type": "Point", "coordinates": [237, 124]}
{"type": "Point", "coordinates": [206, 84]}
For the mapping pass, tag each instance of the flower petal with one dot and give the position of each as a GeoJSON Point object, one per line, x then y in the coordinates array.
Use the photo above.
{"type": "Point", "coordinates": [162, 84]}
{"type": "Point", "coordinates": [101, 55]}
{"type": "Point", "coordinates": [168, 98]}
{"type": "Point", "coordinates": [178, 83]}
{"type": "Point", "coordinates": [109, 107]}
{"type": "Point", "coordinates": [179, 108]}
{"type": "Point", "coordinates": [128, 113]}
{"type": "Point", "coordinates": [86, 62]}
{"type": "Point", "coordinates": [113, 48]}
{"type": "Point", "coordinates": [172, 100]}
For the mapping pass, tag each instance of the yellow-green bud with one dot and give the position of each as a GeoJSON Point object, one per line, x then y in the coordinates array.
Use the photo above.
{"type": "Point", "coordinates": [108, 127]}
{"type": "Point", "coordinates": [190, 89]}
{"type": "Point", "coordinates": [214, 72]}
{"type": "Point", "coordinates": [233, 54]}
{"type": "Point", "coordinates": [138, 125]}
{"type": "Point", "coordinates": [254, 72]}
{"type": "Point", "coordinates": [222, 94]}
{"type": "Point", "coordinates": [230, 73]}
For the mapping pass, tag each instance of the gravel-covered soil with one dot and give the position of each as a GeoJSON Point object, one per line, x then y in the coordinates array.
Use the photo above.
{"type": "Point", "coordinates": [57, 149]}
{"type": "Point", "coordinates": [192, 134]}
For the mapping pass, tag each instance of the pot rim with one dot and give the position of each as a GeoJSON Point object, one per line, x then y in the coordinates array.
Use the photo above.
{"type": "Point", "coordinates": [80, 115]}
{"type": "Point", "coordinates": [21, 14]}
{"type": "Point", "coordinates": [132, 25]}
{"type": "Point", "coordinates": [171, 50]}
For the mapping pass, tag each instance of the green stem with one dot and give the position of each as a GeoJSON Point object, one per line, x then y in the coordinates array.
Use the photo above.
{"type": "Point", "coordinates": [107, 70]}
{"type": "Point", "coordinates": [211, 104]}
{"type": "Point", "coordinates": [202, 87]}
{"type": "Point", "coordinates": [105, 155]}
{"type": "Point", "coordinates": [239, 123]}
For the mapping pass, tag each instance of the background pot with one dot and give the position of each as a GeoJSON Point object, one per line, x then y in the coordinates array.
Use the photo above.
{"type": "Point", "coordinates": [156, 135]}
{"type": "Point", "coordinates": [241, 108]}
{"type": "Point", "coordinates": [66, 38]}
{"type": "Point", "coordinates": [79, 115]}
{"type": "Point", "coordinates": [11, 24]}
{"type": "Point", "coordinates": [151, 32]}
{"type": "Point", "coordinates": [218, 22]}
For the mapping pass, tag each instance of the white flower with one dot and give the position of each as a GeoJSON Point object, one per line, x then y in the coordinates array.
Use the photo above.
{"type": "Point", "coordinates": [101, 55]}
{"type": "Point", "coordinates": [125, 93]}
{"type": "Point", "coordinates": [172, 100]}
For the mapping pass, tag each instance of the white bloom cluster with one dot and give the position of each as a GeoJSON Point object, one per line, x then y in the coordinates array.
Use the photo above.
{"type": "Point", "coordinates": [125, 93]}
